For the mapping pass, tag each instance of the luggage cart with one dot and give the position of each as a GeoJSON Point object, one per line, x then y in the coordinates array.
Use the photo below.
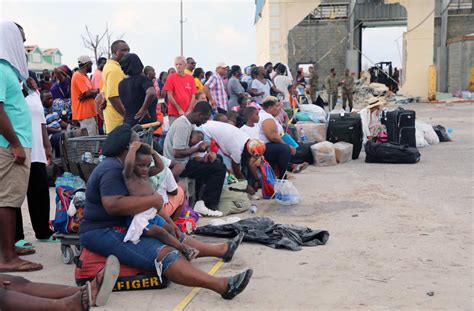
{"type": "Point", "coordinates": [70, 247]}
{"type": "Point", "coordinates": [72, 155]}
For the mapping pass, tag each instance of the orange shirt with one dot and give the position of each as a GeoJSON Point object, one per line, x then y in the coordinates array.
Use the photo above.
{"type": "Point", "coordinates": [81, 110]}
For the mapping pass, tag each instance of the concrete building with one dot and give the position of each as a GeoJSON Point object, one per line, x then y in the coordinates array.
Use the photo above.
{"type": "Point", "coordinates": [328, 33]}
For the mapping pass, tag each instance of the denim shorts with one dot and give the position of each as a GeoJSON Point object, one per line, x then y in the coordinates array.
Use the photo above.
{"type": "Point", "coordinates": [109, 241]}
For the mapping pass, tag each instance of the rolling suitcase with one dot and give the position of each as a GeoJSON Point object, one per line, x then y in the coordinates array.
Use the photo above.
{"type": "Point", "coordinates": [390, 153]}
{"type": "Point", "coordinates": [348, 128]}
{"type": "Point", "coordinates": [400, 125]}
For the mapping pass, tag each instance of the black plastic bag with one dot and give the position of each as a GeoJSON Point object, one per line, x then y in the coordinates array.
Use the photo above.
{"type": "Point", "coordinates": [441, 132]}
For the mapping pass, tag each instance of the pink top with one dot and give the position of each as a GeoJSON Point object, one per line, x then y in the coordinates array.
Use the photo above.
{"type": "Point", "coordinates": [96, 78]}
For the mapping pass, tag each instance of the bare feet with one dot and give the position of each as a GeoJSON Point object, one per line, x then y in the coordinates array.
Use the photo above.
{"type": "Point", "coordinates": [19, 265]}
{"type": "Point", "coordinates": [80, 301]}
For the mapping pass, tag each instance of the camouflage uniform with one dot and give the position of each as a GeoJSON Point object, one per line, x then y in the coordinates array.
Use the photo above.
{"type": "Point", "coordinates": [313, 81]}
{"type": "Point", "coordinates": [347, 83]}
{"type": "Point", "coordinates": [331, 87]}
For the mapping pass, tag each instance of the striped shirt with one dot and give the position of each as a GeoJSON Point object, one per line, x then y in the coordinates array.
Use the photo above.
{"type": "Point", "coordinates": [217, 88]}
{"type": "Point", "coordinates": [52, 119]}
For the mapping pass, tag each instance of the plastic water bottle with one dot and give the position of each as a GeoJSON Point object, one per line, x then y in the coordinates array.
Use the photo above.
{"type": "Point", "coordinates": [189, 226]}
{"type": "Point", "coordinates": [253, 209]}
{"type": "Point", "coordinates": [450, 130]}
{"type": "Point", "coordinates": [304, 138]}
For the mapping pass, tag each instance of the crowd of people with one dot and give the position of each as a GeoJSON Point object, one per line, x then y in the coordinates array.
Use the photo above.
{"type": "Point", "coordinates": [213, 123]}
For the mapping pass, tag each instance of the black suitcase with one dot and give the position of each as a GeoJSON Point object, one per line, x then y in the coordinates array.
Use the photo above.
{"type": "Point", "coordinates": [390, 153]}
{"type": "Point", "coordinates": [346, 128]}
{"type": "Point", "coordinates": [303, 154]}
{"type": "Point", "coordinates": [400, 125]}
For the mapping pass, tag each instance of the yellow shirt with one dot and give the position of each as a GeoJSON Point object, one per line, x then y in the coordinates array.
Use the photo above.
{"type": "Point", "coordinates": [188, 72]}
{"type": "Point", "coordinates": [112, 74]}
{"type": "Point", "coordinates": [199, 85]}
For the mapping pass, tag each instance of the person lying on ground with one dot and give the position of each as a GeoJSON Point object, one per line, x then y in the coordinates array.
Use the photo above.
{"type": "Point", "coordinates": [136, 173]}
{"type": "Point", "coordinates": [18, 293]}
{"type": "Point", "coordinates": [108, 205]}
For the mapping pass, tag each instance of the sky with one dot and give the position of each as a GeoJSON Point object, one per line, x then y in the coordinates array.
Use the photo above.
{"type": "Point", "coordinates": [380, 44]}
{"type": "Point", "coordinates": [214, 31]}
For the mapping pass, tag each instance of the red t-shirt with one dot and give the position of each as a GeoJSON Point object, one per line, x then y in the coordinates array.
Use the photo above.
{"type": "Point", "coordinates": [183, 89]}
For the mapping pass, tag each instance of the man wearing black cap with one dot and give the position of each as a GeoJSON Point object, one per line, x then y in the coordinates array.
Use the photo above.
{"type": "Point", "coordinates": [177, 148]}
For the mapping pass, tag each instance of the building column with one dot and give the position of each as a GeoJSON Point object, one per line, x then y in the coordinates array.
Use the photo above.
{"type": "Point", "coordinates": [278, 18]}
{"type": "Point", "coordinates": [418, 46]}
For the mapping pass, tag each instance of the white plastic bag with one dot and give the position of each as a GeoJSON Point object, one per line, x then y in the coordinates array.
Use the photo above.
{"type": "Point", "coordinates": [420, 139]}
{"type": "Point", "coordinates": [428, 132]}
{"type": "Point", "coordinates": [313, 109]}
{"type": "Point", "coordinates": [286, 193]}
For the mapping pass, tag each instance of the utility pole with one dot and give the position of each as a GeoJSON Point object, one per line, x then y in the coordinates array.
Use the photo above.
{"type": "Point", "coordinates": [181, 21]}
{"type": "Point", "coordinates": [443, 49]}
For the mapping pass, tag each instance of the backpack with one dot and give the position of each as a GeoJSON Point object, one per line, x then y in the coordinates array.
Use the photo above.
{"type": "Point", "coordinates": [267, 179]}
{"type": "Point", "coordinates": [70, 203]}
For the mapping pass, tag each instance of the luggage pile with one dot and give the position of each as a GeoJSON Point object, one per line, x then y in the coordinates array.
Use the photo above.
{"type": "Point", "coordinates": [336, 140]}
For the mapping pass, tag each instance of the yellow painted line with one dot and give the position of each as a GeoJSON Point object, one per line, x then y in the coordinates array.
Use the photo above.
{"type": "Point", "coordinates": [186, 300]}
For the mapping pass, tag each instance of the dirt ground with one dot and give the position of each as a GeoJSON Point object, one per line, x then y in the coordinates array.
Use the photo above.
{"type": "Point", "coordinates": [397, 233]}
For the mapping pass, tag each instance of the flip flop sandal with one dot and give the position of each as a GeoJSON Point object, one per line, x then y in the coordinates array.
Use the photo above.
{"type": "Point", "coordinates": [86, 297]}
{"type": "Point", "coordinates": [21, 251]}
{"type": "Point", "coordinates": [25, 266]}
{"type": "Point", "coordinates": [51, 239]}
{"type": "Point", "coordinates": [105, 287]}
{"type": "Point", "coordinates": [24, 244]}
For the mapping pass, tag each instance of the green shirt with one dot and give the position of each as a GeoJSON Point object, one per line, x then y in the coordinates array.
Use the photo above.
{"type": "Point", "coordinates": [15, 105]}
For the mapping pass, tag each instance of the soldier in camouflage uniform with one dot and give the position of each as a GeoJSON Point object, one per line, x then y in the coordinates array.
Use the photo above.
{"type": "Point", "coordinates": [347, 83]}
{"type": "Point", "coordinates": [331, 84]}
{"type": "Point", "coordinates": [313, 82]}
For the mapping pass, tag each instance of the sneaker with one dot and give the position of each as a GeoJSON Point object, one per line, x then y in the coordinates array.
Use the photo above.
{"type": "Point", "coordinates": [202, 210]}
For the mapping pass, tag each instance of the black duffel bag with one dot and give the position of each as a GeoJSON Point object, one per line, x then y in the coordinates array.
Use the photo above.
{"type": "Point", "coordinates": [390, 153]}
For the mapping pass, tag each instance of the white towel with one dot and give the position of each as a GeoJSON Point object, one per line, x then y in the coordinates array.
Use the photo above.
{"type": "Point", "coordinates": [139, 222]}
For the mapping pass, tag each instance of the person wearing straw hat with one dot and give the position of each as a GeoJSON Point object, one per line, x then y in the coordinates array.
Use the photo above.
{"type": "Point", "coordinates": [370, 116]}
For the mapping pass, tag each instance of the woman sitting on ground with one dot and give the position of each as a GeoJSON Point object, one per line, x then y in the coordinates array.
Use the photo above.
{"type": "Point", "coordinates": [103, 227]}
{"type": "Point", "coordinates": [277, 152]}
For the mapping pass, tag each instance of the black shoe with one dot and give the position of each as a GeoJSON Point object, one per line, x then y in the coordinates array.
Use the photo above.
{"type": "Point", "coordinates": [233, 245]}
{"type": "Point", "coordinates": [237, 284]}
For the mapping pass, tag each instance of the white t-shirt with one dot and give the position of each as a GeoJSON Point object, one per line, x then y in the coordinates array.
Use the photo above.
{"type": "Point", "coordinates": [263, 115]}
{"type": "Point", "coordinates": [168, 185]}
{"type": "Point", "coordinates": [231, 140]}
{"type": "Point", "coordinates": [282, 83]}
{"type": "Point", "coordinates": [37, 118]}
{"type": "Point", "coordinates": [260, 87]}
{"type": "Point", "coordinates": [253, 132]}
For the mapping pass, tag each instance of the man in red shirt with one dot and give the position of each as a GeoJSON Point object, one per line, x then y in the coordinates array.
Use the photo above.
{"type": "Point", "coordinates": [180, 88]}
{"type": "Point", "coordinates": [83, 95]}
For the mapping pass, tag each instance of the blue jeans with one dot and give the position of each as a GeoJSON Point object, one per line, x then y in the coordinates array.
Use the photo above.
{"type": "Point", "coordinates": [109, 241]}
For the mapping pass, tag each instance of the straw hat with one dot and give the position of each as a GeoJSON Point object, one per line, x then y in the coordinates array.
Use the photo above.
{"type": "Point", "coordinates": [375, 101]}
